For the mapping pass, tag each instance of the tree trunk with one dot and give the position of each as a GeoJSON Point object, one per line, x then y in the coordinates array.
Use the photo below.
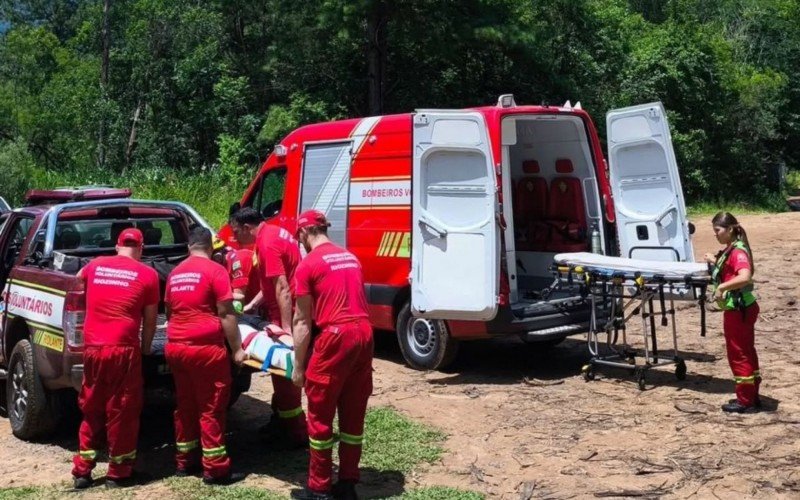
{"type": "Point", "coordinates": [132, 137]}
{"type": "Point", "coordinates": [376, 54]}
{"type": "Point", "coordinates": [106, 41]}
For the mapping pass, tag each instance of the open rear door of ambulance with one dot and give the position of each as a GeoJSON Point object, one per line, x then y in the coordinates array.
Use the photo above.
{"type": "Point", "coordinates": [455, 237]}
{"type": "Point", "coordinates": [648, 199]}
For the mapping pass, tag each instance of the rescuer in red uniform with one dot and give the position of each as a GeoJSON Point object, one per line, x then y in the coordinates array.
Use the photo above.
{"type": "Point", "coordinates": [338, 373]}
{"type": "Point", "coordinates": [278, 255]}
{"type": "Point", "coordinates": [121, 292]}
{"type": "Point", "coordinates": [732, 279]}
{"type": "Point", "coordinates": [201, 317]}
{"type": "Point", "coordinates": [243, 266]}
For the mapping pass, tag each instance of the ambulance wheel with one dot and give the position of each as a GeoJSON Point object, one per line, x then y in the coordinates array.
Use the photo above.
{"type": "Point", "coordinates": [680, 369]}
{"type": "Point", "coordinates": [426, 344]}
{"type": "Point", "coordinates": [30, 409]}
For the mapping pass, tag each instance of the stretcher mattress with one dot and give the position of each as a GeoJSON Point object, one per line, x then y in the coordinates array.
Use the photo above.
{"type": "Point", "coordinates": [270, 349]}
{"type": "Point", "coordinates": [606, 265]}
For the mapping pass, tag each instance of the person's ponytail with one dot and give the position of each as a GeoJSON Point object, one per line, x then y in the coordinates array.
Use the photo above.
{"type": "Point", "coordinates": [741, 234]}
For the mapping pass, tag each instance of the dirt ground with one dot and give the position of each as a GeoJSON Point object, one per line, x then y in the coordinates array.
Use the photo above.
{"type": "Point", "coordinates": [523, 423]}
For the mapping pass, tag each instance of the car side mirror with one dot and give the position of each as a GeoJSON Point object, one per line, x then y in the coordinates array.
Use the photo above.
{"type": "Point", "coordinates": [692, 229]}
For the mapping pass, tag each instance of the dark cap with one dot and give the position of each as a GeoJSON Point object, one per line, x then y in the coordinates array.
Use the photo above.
{"type": "Point", "coordinates": [130, 237]}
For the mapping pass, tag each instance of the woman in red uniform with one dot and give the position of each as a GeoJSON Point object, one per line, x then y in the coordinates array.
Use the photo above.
{"type": "Point", "coordinates": [732, 279]}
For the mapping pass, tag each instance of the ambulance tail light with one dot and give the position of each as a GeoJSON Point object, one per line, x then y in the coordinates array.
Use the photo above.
{"type": "Point", "coordinates": [74, 315]}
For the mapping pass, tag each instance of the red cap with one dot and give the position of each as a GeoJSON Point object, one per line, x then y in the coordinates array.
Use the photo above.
{"type": "Point", "coordinates": [311, 218]}
{"type": "Point", "coordinates": [130, 235]}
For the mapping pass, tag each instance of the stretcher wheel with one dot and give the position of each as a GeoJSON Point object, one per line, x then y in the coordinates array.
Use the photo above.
{"type": "Point", "coordinates": [640, 379]}
{"type": "Point", "coordinates": [680, 369]}
{"type": "Point", "coordinates": [588, 372]}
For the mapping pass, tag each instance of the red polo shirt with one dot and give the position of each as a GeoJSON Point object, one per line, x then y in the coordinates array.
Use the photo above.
{"type": "Point", "coordinates": [117, 290]}
{"type": "Point", "coordinates": [278, 254]}
{"type": "Point", "coordinates": [736, 261]}
{"type": "Point", "coordinates": [243, 272]}
{"type": "Point", "coordinates": [193, 290]}
{"type": "Point", "coordinates": [332, 276]}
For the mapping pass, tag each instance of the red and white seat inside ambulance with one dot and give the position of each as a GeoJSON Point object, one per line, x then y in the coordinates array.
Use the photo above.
{"type": "Point", "coordinates": [549, 217]}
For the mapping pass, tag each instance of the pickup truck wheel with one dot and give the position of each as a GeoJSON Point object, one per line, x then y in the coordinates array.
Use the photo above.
{"type": "Point", "coordinates": [30, 410]}
{"type": "Point", "coordinates": [426, 344]}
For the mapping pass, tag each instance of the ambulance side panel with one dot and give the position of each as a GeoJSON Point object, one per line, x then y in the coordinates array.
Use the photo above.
{"type": "Point", "coordinates": [379, 219]}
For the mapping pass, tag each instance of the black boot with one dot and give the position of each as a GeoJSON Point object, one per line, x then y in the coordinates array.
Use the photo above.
{"type": "Point", "coordinates": [737, 407]}
{"type": "Point", "coordinates": [192, 470]}
{"type": "Point", "coordinates": [231, 478]}
{"type": "Point", "coordinates": [345, 490]}
{"type": "Point", "coordinates": [306, 494]}
{"type": "Point", "coordinates": [82, 482]}
{"type": "Point", "coordinates": [757, 404]}
{"type": "Point", "coordinates": [122, 482]}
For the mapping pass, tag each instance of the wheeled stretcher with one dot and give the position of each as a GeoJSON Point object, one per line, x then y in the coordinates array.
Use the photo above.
{"type": "Point", "coordinates": [268, 346]}
{"type": "Point", "coordinates": [619, 290]}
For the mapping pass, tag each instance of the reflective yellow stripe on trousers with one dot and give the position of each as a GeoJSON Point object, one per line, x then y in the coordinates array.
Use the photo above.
{"type": "Point", "coordinates": [290, 413]}
{"type": "Point", "coordinates": [745, 380]}
{"type": "Point", "coordinates": [351, 439]}
{"type": "Point", "coordinates": [320, 445]}
{"type": "Point", "coordinates": [187, 445]}
{"type": "Point", "coordinates": [118, 459]}
{"type": "Point", "coordinates": [214, 452]}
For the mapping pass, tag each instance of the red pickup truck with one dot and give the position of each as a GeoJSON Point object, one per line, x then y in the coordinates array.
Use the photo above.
{"type": "Point", "coordinates": [42, 246]}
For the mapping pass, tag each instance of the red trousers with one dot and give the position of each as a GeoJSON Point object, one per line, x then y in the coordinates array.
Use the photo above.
{"type": "Point", "coordinates": [338, 377]}
{"type": "Point", "coordinates": [202, 389]}
{"type": "Point", "coordinates": [739, 331]}
{"type": "Point", "coordinates": [111, 401]}
{"type": "Point", "coordinates": [287, 406]}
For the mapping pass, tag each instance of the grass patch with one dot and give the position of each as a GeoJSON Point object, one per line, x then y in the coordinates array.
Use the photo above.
{"type": "Point", "coordinates": [793, 182]}
{"type": "Point", "coordinates": [194, 489]}
{"type": "Point", "coordinates": [439, 493]}
{"type": "Point", "coordinates": [24, 492]}
{"type": "Point", "coordinates": [392, 442]}
{"type": "Point", "coordinates": [708, 209]}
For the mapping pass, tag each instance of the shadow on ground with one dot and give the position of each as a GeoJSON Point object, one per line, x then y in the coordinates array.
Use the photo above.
{"type": "Point", "coordinates": [507, 361]}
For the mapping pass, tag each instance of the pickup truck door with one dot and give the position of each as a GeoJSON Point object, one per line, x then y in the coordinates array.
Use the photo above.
{"type": "Point", "coordinates": [455, 238]}
{"type": "Point", "coordinates": [648, 198]}
{"type": "Point", "coordinates": [13, 232]}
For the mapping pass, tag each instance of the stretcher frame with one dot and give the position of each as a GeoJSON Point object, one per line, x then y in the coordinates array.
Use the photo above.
{"type": "Point", "coordinates": [617, 297]}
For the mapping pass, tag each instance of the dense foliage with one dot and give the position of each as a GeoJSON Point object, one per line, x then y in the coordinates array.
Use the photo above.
{"type": "Point", "coordinates": [209, 86]}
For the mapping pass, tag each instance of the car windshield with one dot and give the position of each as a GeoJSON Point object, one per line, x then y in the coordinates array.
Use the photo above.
{"type": "Point", "coordinates": [99, 234]}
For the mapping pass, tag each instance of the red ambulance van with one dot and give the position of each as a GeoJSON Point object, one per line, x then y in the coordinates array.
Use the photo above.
{"type": "Point", "coordinates": [456, 214]}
